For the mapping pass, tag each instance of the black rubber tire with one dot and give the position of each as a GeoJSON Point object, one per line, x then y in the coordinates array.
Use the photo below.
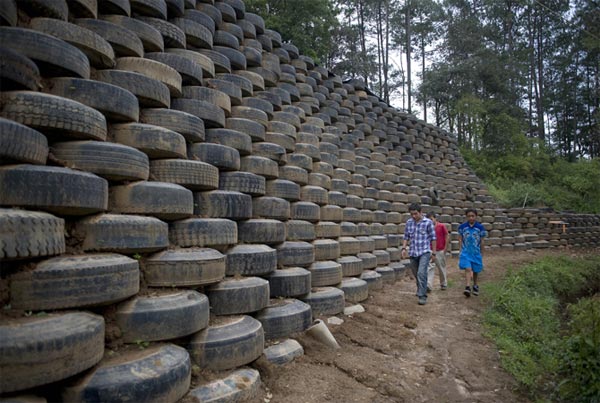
{"type": "Point", "coordinates": [193, 175]}
{"type": "Point", "coordinates": [223, 157]}
{"type": "Point", "coordinates": [284, 352]}
{"type": "Point", "coordinates": [201, 18]}
{"type": "Point", "coordinates": [298, 230]}
{"type": "Point", "coordinates": [122, 233]}
{"type": "Point", "coordinates": [263, 231]}
{"type": "Point", "coordinates": [260, 166]}
{"type": "Point", "coordinates": [272, 151]}
{"type": "Point", "coordinates": [17, 72]}
{"type": "Point", "coordinates": [349, 245]}
{"type": "Point", "coordinates": [293, 174]}
{"type": "Point", "coordinates": [123, 41]}
{"type": "Point", "coordinates": [175, 8]}
{"type": "Point", "coordinates": [257, 21]}
{"type": "Point", "coordinates": [53, 189]}
{"type": "Point", "coordinates": [191, 73]}
{"type": "Point", "coordinates": [19, 143]}
{"type": "Point", "coordinates": [155, 141]}
{"type": "Point", "coordinates": [25, 234]}
{"type": "Point", "coordinates": [242, 385]}
{"type": "Point", "coordinates": [75, 281]}
{"type": "Point", "coordinates": [119, 7]}
{"type": "Point", "coordinates": [203, 232]}
{"type": "Point", "coordinates": [270, 207]}
{"type": "Point", "coordinates": [196, 34]}
{"type": "Point", "coordinates": [292, 282]}
{"type": "Point", "coordinates": [151, 8]}
{"type": "Point", "coordinates": [258, 83]}
{"type": "Point", "coordinates": [326, 249]}
{"type": "Point", "coordinates": [237, 60]}
{"type": "Point", "coordinates": [434, 195]}
{"type": "Point", "coordinates": [57, 9]}
{"type": "Point", "coordinates": [53, 115]}
{"type": "Point", "coordinates": [209, 96]}
{"type": "Point", "coordinates": [230, 138]}
{"type": "Point", "coordinates": [283, 318]}
{"type": "Point", "coordinates": [162, 317]}
{"type": "Point", "coordinates": [327, 229]}
{"type": "Point", "coordinates": [223, 204]}
{"type": "Point", "coordinates": [115, 103]}
{"type": "Point", "coordinates": [114, 162]}
{"type": "Point", "coordinates": [251, 260]}
{"type": "Point", "coordinates": [388, 275]}
{"type": "Point", "coordinates": [220, 61]}
{"type": "Point", "coordinates": [189, 126]}
{"type": "Point", "coordinates": [8, 13]}
{"type": "Point", "coordinates": [260, 104]}
{"type": "Point", "coordinates": [290, 254]}
{"type": "Point", "coordinates": [98, 51]}
{"type": "Point", "coordinates": [355, 289]}
{"type": "Point", "coordinates": [151, 38]}
{"type": "Point", "coordinates": [469, 192]}
{"type": "Point", "coordinates": [314, 194]}
{"type": "Point", "coordinates": [189, 267]}
{"type": "Point", "coordinates": [153, 69]}
{"type": "Point", "coordinates": [173, 36]}
{"type": "Point", "coordinates": [229, 343]}
{"type": "Point", "coordinates": [53, 56]}
{"type": "Point", "coordinates": [205, 63]}
{"type": "Point", "coordinates": [234, 296]}
{"type": "Point", "coordinates": [306, 211]}
{"type": "Point", "coordinates": [167, 373]}
{"type": "Point", "coordinates": [244, 182]}
{"type": "Point", "coordinates": [367, 243]}
{"type": "Point", "coordinates": [255, 130]}
{"type": "Point", "coordinates": [39, 350]}
{"type": "Point", "coordinates": [228, 12]}
{"type": "Point", "coordinates": [150, 93]}
{"type": "Point", "coordinates": [83, 8]}
{"type": "Point", "coordinates": [211, 114]}
{"type": "Point", "coordinates": [373, 279]}
{"type": "Point", "coordinates": [250, 113]}
{"type": "Point", "coordinates": [325, 301]}
{"type": "Point", "coordinates": [165, 201]}
{"type": "Point", "coordinates": [369, 260]}
{"type": "Point", "coordinates": [325, 273]}
{"type": "Point", "coordinates": [283, 189]}
{"type": "Point", "coordinates": [238, 82]}
{"type": "Point", "coordinates": [383, 257]}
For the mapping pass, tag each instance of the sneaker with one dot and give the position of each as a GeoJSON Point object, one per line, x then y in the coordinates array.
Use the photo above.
{"type": "Point", "coordinates": [467, 291]}
{"type": "Point", "coordinates": [444, 287]}
{"type": "Point", "coordinates": [475, 290]}
{"type": "Point", "coordinates": [429, 289]}
{"type": "Point", "coordinates": [422, 300]}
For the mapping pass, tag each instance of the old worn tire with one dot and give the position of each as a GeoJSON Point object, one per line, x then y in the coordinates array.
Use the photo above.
{"type": "Point", "coordinates": [167, 374]}
{"type": "Point", "coordinates": [244, 182]}
{"type": "Point", "coordinates": [305, 210]}
{"type": "Point", "coordinates": [223, 204]}
{"type": "Point", "coordinates": [196, 34]}
{"type": "Point", "coordinates": [39, 350]}
{"type": "Point", "coordinates": [8, 13]}
{"type": "Point", "coordinates": [59, 190]}
{"type": "Point", "coordinates": [115, 103]}
{"type": "Point", "coordinates": [260, 166]}
{"type": "Point", "coordinates": [211, 114]}
{"type": "Point", "coordinates": [203, 232]}
{"type": "Point", "coordinates": [53, 115]}
{"type": "Point", "coordinates": [264, 231]}
{"type": "Point", "coordinates": [173, 36]}
{"type": "Point", "coordinates": [251, 260]}
{"type": "Point", "coordinates": [155, 141]}
{"type": "Point", "coordinates": [291, 282]}
{"type": "Point", "coordinates": [115, 162]}
{"type": "Point", "coordinates": [355, 289]}
{"type": "Point", "coordinates": [230, 138]}
{"type": "Point", "coordinates": [162, 317]}
{"type": "Point", "coordinates": [75, 281]}
{"type": "Point", "coordinates": [123, 41]}
{"type": "Point", "coordinates": [325, 273]}
{"type": "Point", "coordinates": [186, 267]}
{"type": "Point", "coordinates": [298, 230]}
{"type": "Point", "coordinates": [351, 265]}
{"type": "Point", "coordinates": [151, 38]}
{"type": "Point", "coordinates": [25, 234]}
{"type": "Point", "coordinates": [325, 301]}
{"type": "Point", "coordinates": [326, 249]}
{"type": "Point", "coordinates": [189, 126]}
{"type": "Point", "coordinates": [191, 73]}
{"type": "Point", "coordinates": [255, 130]}
{"type": "Point", "coordinates": [228, 343]}
{"type": "Point", "coordinates": [150, 93]}
{"type": "Point", "coordinates": [283, 189]}
{"type": "Point", "coordinates": [283, 318]}
{"type": "Point", "coordinates": [165, 201]}
{"type": "Point", "coordinates": [373, 279]}
{"type": "Point", "coordinates": [205, 63]}
{"type": "Point", "coordinates": [284, 352]}
{"type": "Point", "coordinates": [223, 157]}
{"type": "Point", "coordinates": [270, 207]}
{"type": "Point", "coordinates": [295, 254]}
{"type": "Point", "coordinates": [193, 175]}
{"type": "Point", "coordinates": [234, 296]}
{"type": "Point", "coordinates": [242, 385]}
{"type": "Point", "coordinates": [122, 233]}
{"type": "Point", "coordinates": [153, 69]}
{"type": "Point", "coordinates": [18, 72]}
{"type": "Point", "coordinates": [152, 8]}
{"type": "Point", "coordinates": [272, 151]}
{"type": "Point", "coordinates": [19, 143]}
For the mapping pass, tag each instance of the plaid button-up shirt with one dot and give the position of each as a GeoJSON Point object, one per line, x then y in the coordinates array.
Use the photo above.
{"type": "Point", "coordinates": [420, 234]}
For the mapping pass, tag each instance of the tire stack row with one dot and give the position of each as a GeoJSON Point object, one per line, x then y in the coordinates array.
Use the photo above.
{"type": "Point", "coordinates": [177, 181]}
{"type": "Point", "coordinates": [582, 230]}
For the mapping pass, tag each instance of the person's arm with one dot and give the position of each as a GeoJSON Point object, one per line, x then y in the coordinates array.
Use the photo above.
{"type": "Point", "coordinates": [481, 247]}
{"type": "Point", "coordinates": [448, 240]}
{"type": "Point", "coordinates": [404, 250]}
{"type": "Point", "coordinates": [433, 240]}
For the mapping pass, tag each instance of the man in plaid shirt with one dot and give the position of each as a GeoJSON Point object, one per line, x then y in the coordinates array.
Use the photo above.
{"type": "Point", "coordinates": [421, 234]}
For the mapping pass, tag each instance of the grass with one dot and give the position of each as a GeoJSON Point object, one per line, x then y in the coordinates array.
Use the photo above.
{"type": "Point", "coordinates": [541, 318]}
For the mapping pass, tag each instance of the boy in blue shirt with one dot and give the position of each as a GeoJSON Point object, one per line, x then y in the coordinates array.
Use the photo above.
{"type": "Point", "coordinates": [471, 234]}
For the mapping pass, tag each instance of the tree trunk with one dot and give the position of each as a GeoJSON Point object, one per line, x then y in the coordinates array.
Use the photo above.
{"type": "Point", "coordinates": [408, 57]}
{"type": "Point", "coordinates": [540, 80]}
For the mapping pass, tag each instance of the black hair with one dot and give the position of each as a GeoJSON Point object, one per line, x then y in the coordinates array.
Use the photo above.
{"type": "Point", "coordinates": [414, 207]}
{"type": "Point", "coordinates": [471, 210]}
{"type": "Point", "coordinates": [432, 215]}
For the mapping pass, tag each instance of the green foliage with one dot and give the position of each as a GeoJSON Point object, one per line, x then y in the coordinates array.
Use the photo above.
{"type": "Point", "coordinates": [525, 321]}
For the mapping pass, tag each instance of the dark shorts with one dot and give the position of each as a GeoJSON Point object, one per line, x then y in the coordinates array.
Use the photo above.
{"type": "Point", "coordinates": [474, 262]}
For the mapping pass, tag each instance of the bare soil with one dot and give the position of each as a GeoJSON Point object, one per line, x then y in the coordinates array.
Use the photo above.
{"type": "Point", "coordinates": [398, 351]}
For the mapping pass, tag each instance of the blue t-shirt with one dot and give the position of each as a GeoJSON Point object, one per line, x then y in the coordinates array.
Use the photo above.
{"type": "Point", "coordinates": [471, 237]}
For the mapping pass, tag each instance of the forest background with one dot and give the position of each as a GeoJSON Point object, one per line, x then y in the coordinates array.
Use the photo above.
{"type": "Point", "coordinates": [516, 81]}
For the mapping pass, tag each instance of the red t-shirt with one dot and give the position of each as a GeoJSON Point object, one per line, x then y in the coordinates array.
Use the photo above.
{"type": "Point", "coordinates": [441, 234]}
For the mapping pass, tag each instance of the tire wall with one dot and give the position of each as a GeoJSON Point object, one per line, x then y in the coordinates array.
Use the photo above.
{"type": "Point", "coordinates": [167, 164]}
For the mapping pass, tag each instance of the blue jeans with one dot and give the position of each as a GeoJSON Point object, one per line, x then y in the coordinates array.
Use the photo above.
{"type": "Point", "coordinates": [419, 265]}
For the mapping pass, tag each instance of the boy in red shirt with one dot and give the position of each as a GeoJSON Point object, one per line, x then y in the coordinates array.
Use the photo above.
{"type": "Point", "coordinates": [441, 234]}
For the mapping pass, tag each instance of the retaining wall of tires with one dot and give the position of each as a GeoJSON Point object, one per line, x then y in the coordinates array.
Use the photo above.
{"type": "Point", "coordinates": [179, 188]}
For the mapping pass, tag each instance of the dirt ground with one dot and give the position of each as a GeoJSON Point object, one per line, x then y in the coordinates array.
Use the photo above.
{"type": "Point", "coordinates": [398, 351]}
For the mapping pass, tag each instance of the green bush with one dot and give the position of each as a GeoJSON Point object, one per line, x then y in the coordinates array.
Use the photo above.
{"type": "Point", "coordinates": [526, 320]}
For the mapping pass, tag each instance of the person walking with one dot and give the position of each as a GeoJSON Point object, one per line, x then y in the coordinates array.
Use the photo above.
{"type": "Point", "coordinates": [421, 234]}
{"type": "Point", "coordinates": [442, 245]}
{"type": "Point", "coordinates": [471, 234]}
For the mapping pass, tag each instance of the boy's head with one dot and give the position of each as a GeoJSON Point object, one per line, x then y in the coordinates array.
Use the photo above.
{"type": "Point", "coordinates": [415, 211]}
{"type": "Point", "coordinates": [471, 214]}
{"type": "Point", "coordinates": [433, 217]}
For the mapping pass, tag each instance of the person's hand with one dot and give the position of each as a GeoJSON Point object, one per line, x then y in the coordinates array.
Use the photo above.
{"type": "Point", "coordinates": [403, 253]}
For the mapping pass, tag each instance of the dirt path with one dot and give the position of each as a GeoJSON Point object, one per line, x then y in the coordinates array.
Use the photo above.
{"type": "Point", "coordinates": [399, 351]}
